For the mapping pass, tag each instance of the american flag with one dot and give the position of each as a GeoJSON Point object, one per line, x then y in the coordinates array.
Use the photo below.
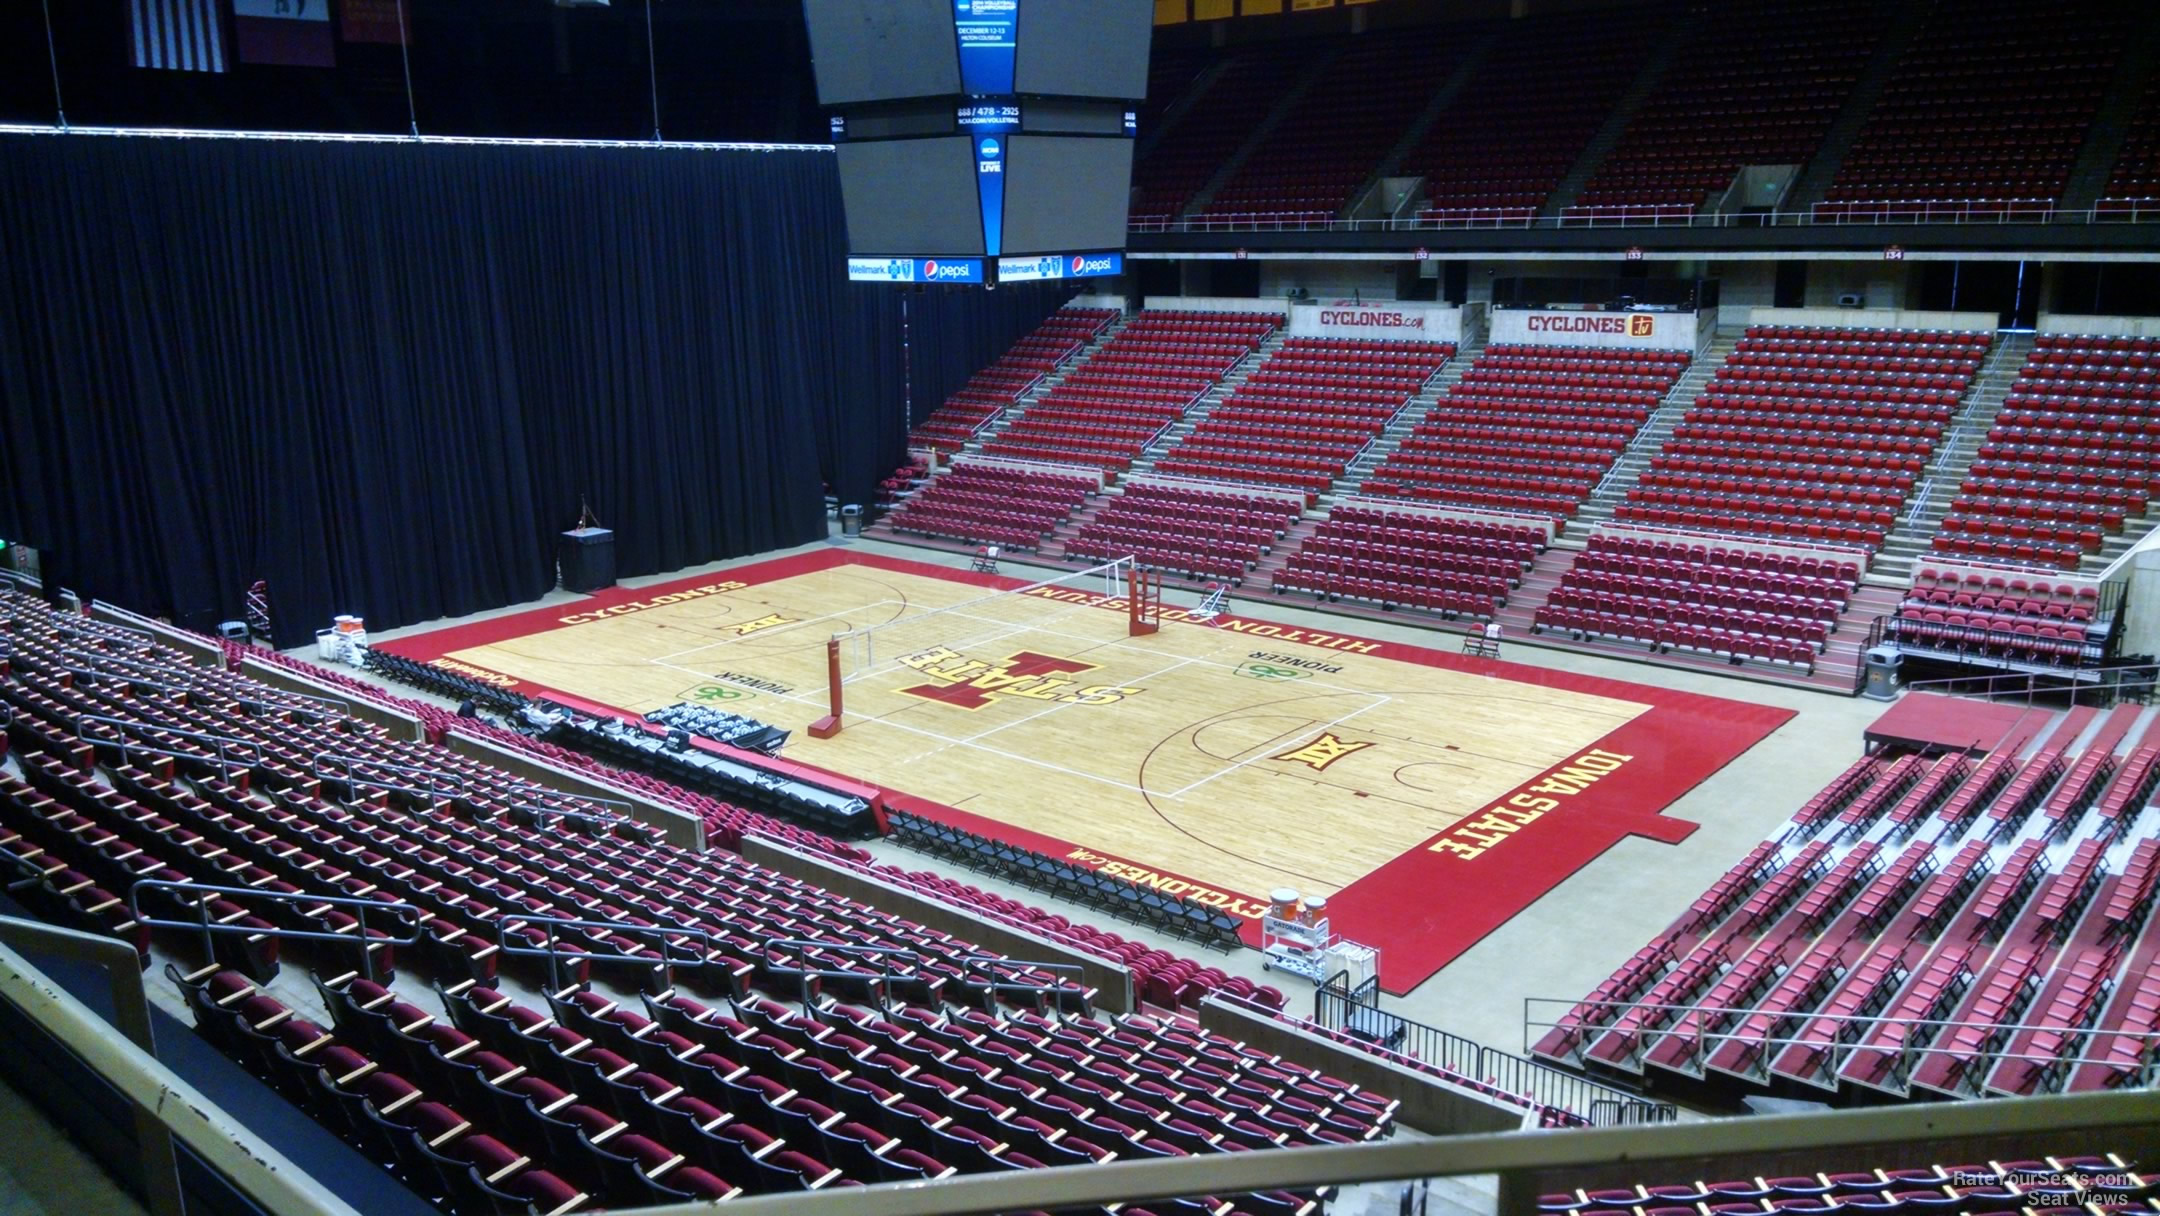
{"type": "Point", "coordinates": [184, 35]}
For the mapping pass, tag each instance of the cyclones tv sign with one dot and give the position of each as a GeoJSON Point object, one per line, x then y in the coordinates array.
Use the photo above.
{"type": "Point", "coordinates": [1395, 320]}
{"type": "Point", "coordinates": [1645, 330]}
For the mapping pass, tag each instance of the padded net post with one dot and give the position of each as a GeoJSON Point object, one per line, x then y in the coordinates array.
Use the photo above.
{"type": "Point", "coordinates": [829, 725]}
{"type": "Point", "coordinates": [1145, 603]}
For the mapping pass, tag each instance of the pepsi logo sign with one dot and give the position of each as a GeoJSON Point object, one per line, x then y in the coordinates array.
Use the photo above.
{"type": "Point", "coordinates": [957, 272]}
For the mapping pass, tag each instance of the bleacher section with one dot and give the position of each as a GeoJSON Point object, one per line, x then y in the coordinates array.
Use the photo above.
{"type": "Point", "coordinates": [1893, 935]}
{"type": "Point", "coordinates": [992, 390]}
{"type": "Point", "coordinates": [1529, 428]}
{"type": "Point", "coordinates": [1197, 144]}
{"type": "Point", "coordinates": [1775, 73]}
{"type": "Point", "coordinates": [1306, 413]}
{"type": "Point", "coordinates": [1815, 434]}
{"type": "Point", "coordinates": [1110, 407]}
{"type": "Point", "coordinates": [2000, 618]}
{"type": "Point", "coordinates": [2134, 186]}
{"type": "Point", "coordinates": [1325, 148]}
{"type": "Point", "coordinates": [988, 502]}
{"type": "Point", "coordinates": [1737, 604]}
{"type": "Point", "coordinates": [1172, 72]}
{"type": "Point", "coordinates": [1197, 530]}
{"type": "Point", "coordinates": [2071, 457]}
{"type": "Point", "coordinates": [1388, 558]}
{"type": "Point", "coordinates": [215, 784]}
{"type": "Point", "coordinates": [1940, 143]}
{"type": "Point", "coordinates": [672, 1099]}
{"type": "Point", "coordinates": [1509, 137]}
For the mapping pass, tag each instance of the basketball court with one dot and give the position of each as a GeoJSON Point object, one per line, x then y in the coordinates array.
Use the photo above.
{"type": "Point", "coordinates": [1429, 796]}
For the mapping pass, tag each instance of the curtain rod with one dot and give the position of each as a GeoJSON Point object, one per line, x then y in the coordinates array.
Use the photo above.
{"type": "Point", "coordinates": [445, 140]}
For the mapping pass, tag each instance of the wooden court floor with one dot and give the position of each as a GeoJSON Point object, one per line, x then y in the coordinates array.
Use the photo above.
{"type": "Point", "coordinates": [1241, 755]}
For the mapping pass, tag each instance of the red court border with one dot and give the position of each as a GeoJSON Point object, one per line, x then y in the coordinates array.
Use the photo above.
{"type": "Point", "coordinates": [1428, 905]}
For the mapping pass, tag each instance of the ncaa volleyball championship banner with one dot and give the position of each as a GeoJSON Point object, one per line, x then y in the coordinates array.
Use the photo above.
{"type": "Point", "coordinates": [1393, 320]}
{"type": "Point", "coordinates": [1629, 330]}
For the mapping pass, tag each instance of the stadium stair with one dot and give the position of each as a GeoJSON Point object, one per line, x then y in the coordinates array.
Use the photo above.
{"type": "Point", "coordinates": [1312, 70]}
{"type": "Point", "coordinates": [1442, 98]}
{"type": "Point", "coordinates": [1893, 566]}
{"type": "Point", "coordinates": [1078, 360]}
{"type": "Point", "coordinates": [1404, 423]}
{"type": "Point", "coordinates": [1814, 181]}
{"type": "Point", "coordinates": [1608, 136]}
{"type": "Point", "coordinates": [1632, 463]}
{"type": "Point", "coordinates": [1180, 105]}
{"type": "Point", "coordinates": [2104, 140]}
{"type": "Point", "coordinates": [1238, 374]}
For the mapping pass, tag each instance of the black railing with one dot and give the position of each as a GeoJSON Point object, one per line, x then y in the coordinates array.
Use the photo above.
{"type": "Point", "coordinates": [1355, 1013]}
{"type": "Point", "coordinates": [2096, 686]}
{"type": "Point", "coordinates": [554, 951]}
{"type": "Point", "coordinates": [879, 982]}
{"type": "Point", "coordinates": [368, 940]}
{"type": "Point", "coordinates": [1054, 997]}
{"type": "Point", "coordinates": [452, 784]}
{"type": "Point", "coordinates": [224, 748]}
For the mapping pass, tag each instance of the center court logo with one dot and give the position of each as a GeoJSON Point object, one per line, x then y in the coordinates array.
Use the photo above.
{"type": "Point", "coordinates": [1323, 751]}
{"type": "Point", "coordinates": [970, 684]}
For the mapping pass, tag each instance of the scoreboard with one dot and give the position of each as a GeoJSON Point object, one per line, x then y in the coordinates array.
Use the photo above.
{"type": "Point", "coordinates": [982, 140]}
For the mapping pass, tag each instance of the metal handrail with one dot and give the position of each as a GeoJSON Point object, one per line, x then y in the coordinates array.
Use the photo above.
{"type": "Point", "coordinates": [405, 913]}
{"type": "Point", "coordinates": [352, 777]}
{"type": "Point", "coordinates": [670, 936]}
{"type": "Point", "coordinates": [94, 674]}
{"type": "Point", "coordinates": [1533, 1082]}
{"type": "Point", "coordinates": [169, 669]}
{"type": "Point", "coordinates": [222, 742]}
{"type": "Point", "coordinates": [543, 815]}
{"type": "Point", "coordinates": [32, 875]}
{"type": "Point", "coordinates": [992, 985]}
{"type": "Point", "coordinates": [879, 982]}
{"type": "Point", "coordinates": [1996, 212]}
{"type": "Point", "coordinates": [2077, 682]}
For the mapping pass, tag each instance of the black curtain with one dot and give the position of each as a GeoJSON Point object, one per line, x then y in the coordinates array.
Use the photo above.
{"type": "Point", "coordinates": [381, 375]}
{"type": "Point", "coordinates": [953, 332]}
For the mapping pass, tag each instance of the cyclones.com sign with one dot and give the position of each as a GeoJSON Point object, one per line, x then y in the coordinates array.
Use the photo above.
{"type": "Point", "coordinates": [1377, 318]}
{"type": "Point", "coordinates": [1401, 321]}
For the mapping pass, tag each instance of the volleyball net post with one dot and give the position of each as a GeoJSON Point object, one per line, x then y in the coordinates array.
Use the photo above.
{"type": "Point", "coordinates": [1144, 604]}
{"type": "Point", "coordinates": [856, 653]}
{"type": "Point", "coordinates": [829, 725]}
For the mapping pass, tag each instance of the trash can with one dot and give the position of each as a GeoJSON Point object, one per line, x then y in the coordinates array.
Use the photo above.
{"type": "Point", "coordinates": [1882, 672]}
{"type": "Point", "coordinates": [851, 519]}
